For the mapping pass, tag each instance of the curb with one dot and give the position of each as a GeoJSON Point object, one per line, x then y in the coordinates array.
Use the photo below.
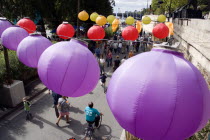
{"type": "Point", "coordinates": [20, 105]}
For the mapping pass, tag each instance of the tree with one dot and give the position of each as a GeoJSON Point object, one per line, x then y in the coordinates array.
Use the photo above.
{"type": "Point", "coordinates": [53, 12]}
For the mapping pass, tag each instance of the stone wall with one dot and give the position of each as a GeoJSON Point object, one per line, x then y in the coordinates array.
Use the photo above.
{"type": "Point", "coordinates": [194, 35]}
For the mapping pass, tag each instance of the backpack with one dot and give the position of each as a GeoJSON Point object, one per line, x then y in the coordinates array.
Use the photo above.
{"type": "Point", "coordinates": [64, 106]}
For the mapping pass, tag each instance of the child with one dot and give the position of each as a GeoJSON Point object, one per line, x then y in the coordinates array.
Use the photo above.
{"type": "Point", "coordinates": [27, 106]}
{"type": "Point", "coordinates": [103, 81]}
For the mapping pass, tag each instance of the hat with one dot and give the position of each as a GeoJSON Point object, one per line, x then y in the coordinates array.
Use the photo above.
{"type": "Point", "coordinates": [117, 56]}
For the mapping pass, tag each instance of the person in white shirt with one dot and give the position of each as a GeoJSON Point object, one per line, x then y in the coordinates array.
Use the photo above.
{"type": "Point", "coordinates": [119, 48]}
{"type": "Point", "coordinates": [123, 60]}
{"type": "Point", "coordinates": [102, 63]}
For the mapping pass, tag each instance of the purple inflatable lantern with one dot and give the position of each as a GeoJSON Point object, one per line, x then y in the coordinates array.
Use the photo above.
{"type": "Point", "coordinates": [12, 36]}
{"type": "Point", "coordinates": [69, 68]}
{"type": "Point", "coordinates": [159, 95]}
{"type": "Point", "coordinates": [4, 24]}
{"type": "Point", "coordinates": [30, 49]}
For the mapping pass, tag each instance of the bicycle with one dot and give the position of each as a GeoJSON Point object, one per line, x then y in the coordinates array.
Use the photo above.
{"type": "Point", "coordinates": [89, 131]}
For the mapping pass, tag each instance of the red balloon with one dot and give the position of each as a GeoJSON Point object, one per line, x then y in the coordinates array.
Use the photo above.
{"type": "Point", "coordinates": [27, 24]}
{"type": "Point", "coordinates": [130, 33]}
{"type": "Point", "coordinates": [160, 31]}
{"type": "Point", "coordinates": [65, 30]}
{"type": "Point", "coordinates": [96, 32]}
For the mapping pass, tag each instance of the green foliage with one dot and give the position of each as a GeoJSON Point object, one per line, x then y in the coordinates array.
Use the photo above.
{"type": "Point", "coordinates": [174, 4]}
{"type": "Point", "coordinates": [54, 11]}
{"type": "Point", "coordinates": [167, 5]}
{"type": "Point", "coordinates": [203, 134]}
{"type": "Point", "coordinates": [19, 71]}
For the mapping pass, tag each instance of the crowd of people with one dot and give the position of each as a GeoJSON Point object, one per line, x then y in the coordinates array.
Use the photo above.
{"type": "Point", "coordinates": [110, 55]}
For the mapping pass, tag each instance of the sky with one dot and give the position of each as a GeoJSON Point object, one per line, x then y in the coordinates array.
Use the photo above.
{"type": "Point", "coordinates": [130, 5]}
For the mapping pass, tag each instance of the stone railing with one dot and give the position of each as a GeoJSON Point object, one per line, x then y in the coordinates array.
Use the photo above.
{"type": "Point", "coordinates": [194, 35]}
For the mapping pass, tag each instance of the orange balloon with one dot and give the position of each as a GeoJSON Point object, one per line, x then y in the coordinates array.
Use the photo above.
{"type": "Point", "coordinates": [138, 26]}
{"type": "Point", "coordinates": [170, 25]}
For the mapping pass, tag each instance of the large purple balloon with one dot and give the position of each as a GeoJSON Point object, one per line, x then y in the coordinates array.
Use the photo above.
{"type": "Point", "coordinates": [12, 36]}
{"type": "Point", "coordinates": [30, 49]}
{"type": "Point", "coordinates": [4, 24]}
{"type": "Point", "coordinates": [159, 95]}
{"type": "Point", "coordinates": [69, 69]}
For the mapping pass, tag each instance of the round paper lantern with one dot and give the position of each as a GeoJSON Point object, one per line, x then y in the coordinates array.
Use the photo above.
{"type": "Point", "coordinates": [160, 31]}
{"type": "Point", "coordinates": [115, 25]}
{"type": "Point", "coordinates": [161, 18]}
{"type": "Point", "coordinates": [93, 16]}
{"type": "Point", "coordinates": [101, 20]}
{"type": "Point", "coordinates": [83, 15]}
{"type": "Point", "coordinates": [69, 68]}
{"type": "Point", "coordinates": [96, 33]}
{"type": "Point", "coordinates": [110, 18]}
{"type": "Point", "coordinates": [12, 36]}
{"type": "Point", "coordinates": [138, 26]}
{"type": "Point", "coordinates": [129, 20]}
{"type": "Point", "coordinates": [146, 20]}
{"type": "Point", "coordinates": [170, 25]}
{"type": "Point", "coordinates": [65, 30]}
{"type": "Point", "coordinates": [164, 95]}
{"type": "Point", "coordinates": [4, 24]}
{"type": "Point", "coordinates": [30, 49]}
{"type": "Point", "coordinates": [130, 33]}
{"type": "Point", "coordinates": [27, 24]}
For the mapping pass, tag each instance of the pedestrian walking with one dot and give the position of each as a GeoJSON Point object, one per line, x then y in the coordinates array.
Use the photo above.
{"type": "Point", "coordinates": [127, 45]}
{"type": "Point", "coordinates": [56, 96]}
{"type": "Point", "coordinates": [109, 59]}
{"type": "Point", "coordinates": [98, 52]}
{"type": "Point", "coordinates": [64, 108]}
{"type": "Point", "coordinates": [123, 60]}
{"type": "Point", "coordinates": [103, 81]}
{"type": "Point", "coordinates": [27, 108]}
{"type": "Point", "coordinates": [115, 46]}
{"type": "Point", "coordinates": [119, 48]}
{"type": "Point", "coordinates": [137, 46]}
{"type": "Point", "coordinates": [116, 63]}
{"type": "Point", "coordinates": [102, 63]}
{"type": "Point", "coordinates": [130, 54]}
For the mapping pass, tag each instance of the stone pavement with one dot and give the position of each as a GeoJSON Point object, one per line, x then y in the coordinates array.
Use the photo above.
{"type": "Point", "coordinates": [15, 127]}
{"type": "Point", "coordinates": [32, 90]}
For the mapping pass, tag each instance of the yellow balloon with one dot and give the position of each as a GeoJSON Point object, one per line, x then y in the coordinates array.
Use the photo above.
{"type": "Point", "coordinates": [129, 20]}
{"type": "Point", "coordinates": [110, 18]}
{"type": "Point", "coordinates": [115, 24]}
{"type": "Point", "coordinates": [161, 18]}
{"type": "Point", "coordinates": [170, 25]}
{"type": "Point", "coordinates": [83, 15]}
{"type": "Point", "coordinates": [146, 20]}
{"type": "Point", "coordinates": [93, 16]}
{"type": "Point", "coordinates": [101, 20]}
{"type": "Point", "coordinates": [138, 26]}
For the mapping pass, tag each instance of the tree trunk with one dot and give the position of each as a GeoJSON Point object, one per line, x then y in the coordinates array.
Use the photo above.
{"type": "Point", "coordinates": [78, 26]}
{"type": "Point", "coordinates": [43, 31]}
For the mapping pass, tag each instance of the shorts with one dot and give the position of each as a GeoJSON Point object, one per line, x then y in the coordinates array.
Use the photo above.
{"type": "Point", "coordinates": [64, 113]}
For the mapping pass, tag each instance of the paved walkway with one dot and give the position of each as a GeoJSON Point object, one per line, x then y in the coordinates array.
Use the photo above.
{"type": "Point", "coordinates": [15, 127]}
{"type": "Point", "coordinates": [43, 127]}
